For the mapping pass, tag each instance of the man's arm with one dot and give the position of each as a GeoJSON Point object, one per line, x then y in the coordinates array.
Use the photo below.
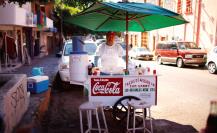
{"type": "Point", "coordinates": [120, 51]}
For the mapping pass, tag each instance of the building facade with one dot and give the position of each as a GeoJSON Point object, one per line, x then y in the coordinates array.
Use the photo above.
{"type": "Point", "coordinates": [201, 29]}
{"type": "Point", "coordinates": [25, 32]}
{"type": "Point", "coordinates": [202, 26]}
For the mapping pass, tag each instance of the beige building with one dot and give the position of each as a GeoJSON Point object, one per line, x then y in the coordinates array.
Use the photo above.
{"type": "Point", "coordinates": [202, 26]}
{"type": "Point", "coordinates": [201, 29]}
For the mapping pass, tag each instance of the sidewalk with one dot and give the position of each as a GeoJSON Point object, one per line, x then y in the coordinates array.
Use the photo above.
{"type": "Point", "coordinates": [49, 63]}
{"type": "Point", "coordinates": [39, 103]}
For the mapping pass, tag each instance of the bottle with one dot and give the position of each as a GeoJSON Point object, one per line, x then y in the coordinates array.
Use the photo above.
{"type": "Point", "coordinates": [126, 72]}
{"type": "Point", "coordinates": [90, 66]}
{"type": "Point", "coordinates": [211, 125]}
{"type": "Point", "coordinates": [140, 70]}
{"type": "Point", "coordinates": [136, 70]}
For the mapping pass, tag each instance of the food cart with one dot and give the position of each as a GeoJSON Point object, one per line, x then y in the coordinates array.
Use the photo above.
{"type": "Point", "coordinates": [116, 90]}
{"type": "Point", "coordinates": [109, 89]}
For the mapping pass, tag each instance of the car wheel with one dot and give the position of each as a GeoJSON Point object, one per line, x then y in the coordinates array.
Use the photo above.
{"type": "Point", "coordinates": [60, 85]}
{"type": "Point", "coordinates": [159, 60]}
{"type": "Point", "coordinates": [212, 68]}
{"type": "Point", "coordinates": [180, 63]}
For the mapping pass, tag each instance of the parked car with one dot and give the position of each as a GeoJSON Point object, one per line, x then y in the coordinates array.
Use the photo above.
{"type": "Point", "coordinates": [180, 53]}
{"type": "Point", "coordinates": [212, 60]}
{"type": "Point", "coordinates": [89, 47]}
{"type": "Point", "coordinates": [100, 41]}
{"type": "Point", "coordinates": [140, 53]}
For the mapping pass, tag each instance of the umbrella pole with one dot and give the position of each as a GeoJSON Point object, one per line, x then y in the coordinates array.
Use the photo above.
{"type": "Point", "coordinates": [127, 41]}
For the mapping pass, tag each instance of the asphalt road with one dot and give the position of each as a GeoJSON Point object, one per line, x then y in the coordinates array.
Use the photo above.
{"type": "Point", "coordinates": [184, 94]}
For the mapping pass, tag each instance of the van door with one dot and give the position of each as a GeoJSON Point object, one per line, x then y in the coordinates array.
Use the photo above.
{"type": "Point", "coordinates": [161, 51]}
{"type": "Point", "coordinates": [173, 54]}
{"type": "Point", "coordinates": [168, 52]}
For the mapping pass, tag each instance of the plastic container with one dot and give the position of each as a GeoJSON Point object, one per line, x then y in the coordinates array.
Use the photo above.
{"type": "Point", "coordinates": [78, 65]}
{"type": "Point", "coordinates": [36, 71]}
{"type": "Point", "coordinates": [78, 62]}
{"type": "Point", "coordinates": [77, 43]}
{"type": "Point", "coordinates": [37, 84]}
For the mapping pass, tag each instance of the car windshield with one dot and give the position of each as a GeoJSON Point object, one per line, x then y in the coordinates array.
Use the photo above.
{"type": "Point", "coordinates": [187, 45]}
{"type": "Point", "coordinates": [100, 41]}
{"type": "Point", "coordinates": [90, 48]}
{"type": "Point", "coordinates": [142, 49]}
{"type": "Point", "coordinates": [68, 49]}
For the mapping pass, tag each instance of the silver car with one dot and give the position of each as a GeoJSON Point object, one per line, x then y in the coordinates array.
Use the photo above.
{"type": "Point", "coordinates": [212, 60]}
{"type": "Point", "coordinates": [140, 53]}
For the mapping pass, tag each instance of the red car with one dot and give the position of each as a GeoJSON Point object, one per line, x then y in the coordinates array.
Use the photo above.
{"type": "Point", "coordinates": [180, 53]}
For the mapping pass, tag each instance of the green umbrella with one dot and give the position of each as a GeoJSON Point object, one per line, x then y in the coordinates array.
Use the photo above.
{"type": "Point", "coordinates": [119, 17]}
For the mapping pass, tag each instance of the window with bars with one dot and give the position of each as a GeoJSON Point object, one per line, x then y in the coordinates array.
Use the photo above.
{"type": "Point", "coordinates": [144, 39]}
{"type": "Point", "coordinates": [188, 7]}
{"type": "Point", "coordinates": [160, 3]}
{"type": "Point", "coordinates": [179, 6]}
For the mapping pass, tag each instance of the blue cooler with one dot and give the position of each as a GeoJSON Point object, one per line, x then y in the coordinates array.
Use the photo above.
{"type": "Point", "coordinates": [37, 84]}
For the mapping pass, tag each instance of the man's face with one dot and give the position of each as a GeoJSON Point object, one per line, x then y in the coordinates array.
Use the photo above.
{"type": "Point", "coordinates": [110, 39]}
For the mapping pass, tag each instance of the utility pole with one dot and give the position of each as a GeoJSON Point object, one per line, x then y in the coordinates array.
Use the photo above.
{"type": "Point", "coordinates": [198, 22]}
{"type": "Point", "coordinates": [61, 27]}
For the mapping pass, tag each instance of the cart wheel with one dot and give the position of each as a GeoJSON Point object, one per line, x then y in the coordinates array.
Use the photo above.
{"type": "Point", "coordinates": [119, 111]}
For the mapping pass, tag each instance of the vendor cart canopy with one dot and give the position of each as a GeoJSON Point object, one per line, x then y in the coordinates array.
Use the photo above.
{"type": "Point", "coordinates": [104, 16]}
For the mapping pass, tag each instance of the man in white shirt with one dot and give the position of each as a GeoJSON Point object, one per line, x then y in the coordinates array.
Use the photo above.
{"type": "Point", "coordinates": [110, 55]}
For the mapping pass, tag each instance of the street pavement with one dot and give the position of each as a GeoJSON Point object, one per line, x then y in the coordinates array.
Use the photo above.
{"type": "Point", "coordinates": [184, 94]}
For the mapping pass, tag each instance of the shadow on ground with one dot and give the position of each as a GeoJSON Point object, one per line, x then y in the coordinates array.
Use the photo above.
{"type": "Point", "coordinates": [166, 126]}
{"type": "Point", "coordinates": [63, 117]}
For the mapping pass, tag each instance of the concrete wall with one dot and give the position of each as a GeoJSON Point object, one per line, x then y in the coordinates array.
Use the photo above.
{"type": "Point", "coordinates": [14, 100]}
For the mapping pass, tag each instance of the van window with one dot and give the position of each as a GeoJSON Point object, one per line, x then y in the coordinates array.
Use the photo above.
{"type": "Point", "coordinates": [166, 46]}
{"type": "Point", "coordinates": [187, 45]}
{"type": "Point", "coordinates": [159, 46]}
{"type": "Point", "coordinates": [173, 46]}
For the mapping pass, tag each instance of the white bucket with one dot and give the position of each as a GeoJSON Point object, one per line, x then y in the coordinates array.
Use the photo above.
{"type": "Point", "coordinates": [78, 64]}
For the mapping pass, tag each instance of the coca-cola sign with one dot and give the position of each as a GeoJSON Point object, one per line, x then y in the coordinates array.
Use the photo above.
{"type": "Point", "coordinates": [106, 86]}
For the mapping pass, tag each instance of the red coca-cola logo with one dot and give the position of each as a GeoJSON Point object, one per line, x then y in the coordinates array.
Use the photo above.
{"type": "Point", "coordinates": [106, 86]}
